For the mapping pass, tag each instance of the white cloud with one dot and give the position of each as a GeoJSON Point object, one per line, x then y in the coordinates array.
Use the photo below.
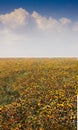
{"type": "Point", "coordinates": [15, 19]}
{"type": "Point", "coordinates": [25, 34]}
{"type": "Point", "coordinates": [21, 18]}
{"type": "Point", "coordinates": [43, 22]}
{"type": "Point", "coordinates": [64, 21]}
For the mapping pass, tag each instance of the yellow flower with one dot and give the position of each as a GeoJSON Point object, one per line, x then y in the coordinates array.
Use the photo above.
{"type": "Point", "coordinates": [19, 125]}
{"type": "Point", "coordinates": [1, 108]}
{"type": "Point", "coordinates": [39, 104]}
{"type": "Point", "coordinates": [18, 104]}
{"type": "Point", "coordinates": [41, 128]}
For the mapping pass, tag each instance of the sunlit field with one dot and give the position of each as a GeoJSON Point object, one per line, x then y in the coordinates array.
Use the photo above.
{"type": "Point", "coordinates": [38, 94]}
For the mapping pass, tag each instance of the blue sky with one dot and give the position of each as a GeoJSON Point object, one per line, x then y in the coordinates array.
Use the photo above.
{"type": "Point", "coordinates": [38, 28]}
{"type": "Point", "coordinates": [55, 8]}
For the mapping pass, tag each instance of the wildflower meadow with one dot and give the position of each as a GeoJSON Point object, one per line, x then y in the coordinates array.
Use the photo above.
{"type": "Point", "coordinates": [38, 93]}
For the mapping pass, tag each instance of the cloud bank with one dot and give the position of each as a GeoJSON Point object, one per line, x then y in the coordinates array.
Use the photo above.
{"type": "Point", "coordinates": [32, 35]}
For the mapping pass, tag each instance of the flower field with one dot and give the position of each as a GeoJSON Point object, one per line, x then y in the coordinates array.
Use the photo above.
{"type": "Point", "coordinates": [38, 94]}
